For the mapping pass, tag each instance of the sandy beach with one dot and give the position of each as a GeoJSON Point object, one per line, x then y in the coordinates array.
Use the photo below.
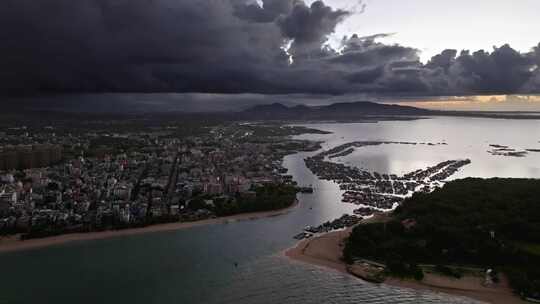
{"type": "Point", "coordinates": [13, 243]}
{"type": "Point", "coordinates": [326, 251]}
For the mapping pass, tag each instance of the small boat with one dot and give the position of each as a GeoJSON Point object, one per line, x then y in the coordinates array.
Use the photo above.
{"type": "Point", "coordinates": [300, 236]}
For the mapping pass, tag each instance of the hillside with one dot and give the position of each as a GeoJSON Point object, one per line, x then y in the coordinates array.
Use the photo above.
{"type": "Point", "coordinates": [493, 223]}
{"type": "Point", "coordinates": [336, 111]}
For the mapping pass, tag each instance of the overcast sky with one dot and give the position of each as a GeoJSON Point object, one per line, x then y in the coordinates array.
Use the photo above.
{"type": "Point", "coordinates": [332, 48]}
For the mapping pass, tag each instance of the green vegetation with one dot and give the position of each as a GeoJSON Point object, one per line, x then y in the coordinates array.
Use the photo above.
{"type": "Point", "coordinates": [111, 145]}
{"type": "Point", "coordinates": [529, 248]}
{"type": "Point", "coordinates": [279, 130]}
{"type": "Point", "coordinates": [264, 198]}
{"type": "Point", "coordinates": [493, 223]}
{"type": "Point", "coordinates": [268, 132]}
{"type": "Point", "coordinates": [448, 271]}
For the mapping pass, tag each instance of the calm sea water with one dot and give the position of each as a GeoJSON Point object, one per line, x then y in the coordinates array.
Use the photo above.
{"type": "Point", "coordinates": [465, 138]}
{"type": "Point", "coordinates": [197, 265]}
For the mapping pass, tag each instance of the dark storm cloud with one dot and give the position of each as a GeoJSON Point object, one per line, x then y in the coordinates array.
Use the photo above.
{"type": "Point", "coordinates": [501, 71]}
{"type": "Point", "coordinates": [363, 52]}
{"type": "Point", "coordinates": [268, 12]}
{"type": "Point", "coordinates": [533, 84]}
{"type": "Point", "coordinates": [129, 45]}
{"type": "Point", "coordinates": [309, 26]}
{"type": "Point", "coordinates": [229, 46]}
{"type": "Point", "coordinates": [443, 60]}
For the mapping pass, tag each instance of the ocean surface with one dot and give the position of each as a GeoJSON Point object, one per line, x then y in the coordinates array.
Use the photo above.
{"type": "Point", "coordinates": [196, 265]}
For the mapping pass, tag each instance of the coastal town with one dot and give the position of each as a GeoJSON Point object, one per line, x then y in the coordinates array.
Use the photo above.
{"type": "Point", "coordinates": [52, 183]}
{"type": "Point", "coordinates": [56, 183]}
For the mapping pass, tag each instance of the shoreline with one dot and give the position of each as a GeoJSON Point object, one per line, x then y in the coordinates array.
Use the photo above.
{"type": "Point", "coordinates": [326, 251]}
{"type": "Point", "coordinates": [13, 243]}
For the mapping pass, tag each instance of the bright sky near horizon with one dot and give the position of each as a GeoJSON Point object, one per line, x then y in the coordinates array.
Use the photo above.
{"type": "Point", "coordinates": [497, 103]}
{"type": "Point", "coordinates": [435, 25]}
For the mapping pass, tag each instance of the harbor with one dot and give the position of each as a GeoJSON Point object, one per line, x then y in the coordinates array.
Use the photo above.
{"type": "Point", "coordinates": [345, 221]}
{"type": "Point", "coordinates": [375, 191]}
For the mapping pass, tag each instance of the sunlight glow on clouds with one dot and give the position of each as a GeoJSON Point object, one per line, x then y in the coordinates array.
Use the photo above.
{"type": "Point", "coordinates": [480, 103]}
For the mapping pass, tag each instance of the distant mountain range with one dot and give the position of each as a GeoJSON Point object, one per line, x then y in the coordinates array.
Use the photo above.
{"type": "Point", "coordinates": [169, 107]}
{"type": "Point", "coordinates": [336, 111]}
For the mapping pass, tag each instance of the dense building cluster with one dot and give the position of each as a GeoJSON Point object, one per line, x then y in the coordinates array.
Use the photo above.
{"type": "Point", "coordinates": [136, 179]}
{"type": "Point", "coordinates": [29, 156]}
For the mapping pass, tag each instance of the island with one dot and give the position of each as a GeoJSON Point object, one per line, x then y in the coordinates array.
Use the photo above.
{"type": "Point", "coordinates": [501, 150]}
